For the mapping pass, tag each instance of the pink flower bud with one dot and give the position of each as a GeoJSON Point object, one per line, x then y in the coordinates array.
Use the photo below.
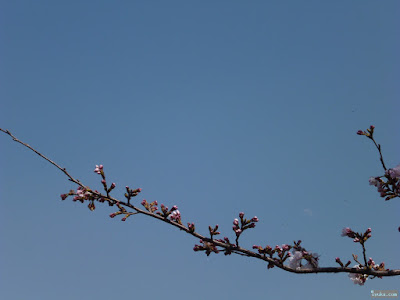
{"type": "Point", "coordinates": [191, 226]}
{"type": "Point", "coordinates": [238, 232]}
{"type": "Point", "coordinates": [91, 206]}
{"type": "Point", "coordinates": [64, 196]}
{"type": "Point", "coordinates": [98, 169]}
{"type": "Point", "coordinates": [360, 132]}
{"type": "Point", "coordinates": [241, 214]}
{"type": "Point", "coordinates": [347, 232]}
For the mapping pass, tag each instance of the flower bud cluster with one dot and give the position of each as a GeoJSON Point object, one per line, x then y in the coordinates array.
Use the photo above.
{"type": "Point", "coordinates": [151, 207]}
{"type": "Point", "coordinates": [244, 224]}
{"type": "Point", "coordinates": [295, 261]}
{"type": "Point", "coordinates": [131, 193]}
{"type": "Point", "coordinates": [213, 231]}
{"type": "Point", "coordinates": [388, 185]}
{"type": "Point", "coordinates": [359, 279]}
{"type": "Point", "coordinates": [370, 264]}
{"type": "Point", "coordinates": [208, 247]}
{"type": "Point", "coordinates": [83, 194]}
{"type": "Point", "coordinates": [191, 227]}
{"type": "Point", "coordinates": [100, 170]}
{"type": "Point", "coordinates": [238, 228]}
{"type": "Point", "coordinates": [173, 214]}
{"type": "Point", "coordinates": [299, 253]}
{"type": "Point", "coordinates": [369, 133]}
{"type": "Point", "coordinates": [357, 237]}
{"type": "Point", "coordinates": [281, 253]}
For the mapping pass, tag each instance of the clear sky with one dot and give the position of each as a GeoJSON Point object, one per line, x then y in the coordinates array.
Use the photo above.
{"type": "Point", "coordinates": [215, 106]}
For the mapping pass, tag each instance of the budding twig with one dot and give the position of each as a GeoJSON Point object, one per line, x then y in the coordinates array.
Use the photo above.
{"type": "Point", "coordinates": [370, 134]}
{"type": "Point", "coordinates": [209, 243]}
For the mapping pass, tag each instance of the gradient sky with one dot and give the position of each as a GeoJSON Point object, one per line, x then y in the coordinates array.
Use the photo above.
{"type": "Point", "coordinates": [215, 106]}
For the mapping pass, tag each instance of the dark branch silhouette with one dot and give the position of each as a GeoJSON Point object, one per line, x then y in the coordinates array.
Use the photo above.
{"type": "Point", "coordinates": [298, 259]}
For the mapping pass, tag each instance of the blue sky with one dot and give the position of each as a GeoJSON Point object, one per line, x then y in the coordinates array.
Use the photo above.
{"type": "Point", "coordinates": [215, 106]}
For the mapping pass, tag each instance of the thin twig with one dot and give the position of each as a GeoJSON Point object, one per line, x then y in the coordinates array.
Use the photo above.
{"type": "Point", "coordinates": [378, 146]}
{"type": "Point", "coordinates": [44, 157]}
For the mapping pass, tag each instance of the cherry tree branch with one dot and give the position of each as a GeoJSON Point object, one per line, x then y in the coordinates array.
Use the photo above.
{"type": "Point", "coordinates": [209, 243]}
{"type": "Point", "coordinates": [388, 185]}
{"type": "Point", "coordinates": [70, 178]}
{"type": "Point", "coordinates": [370, 134]}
